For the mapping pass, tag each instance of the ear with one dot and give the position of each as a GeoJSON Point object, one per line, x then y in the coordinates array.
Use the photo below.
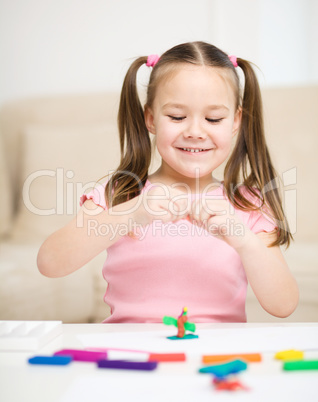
{"type": "Point", "coordinates": [149, 120]}
{"type": "Point", "coordinates": [237, 121]}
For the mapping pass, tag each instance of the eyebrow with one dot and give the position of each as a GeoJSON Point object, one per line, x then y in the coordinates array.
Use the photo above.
{"type": "Point", "coordinates": [217, 107]}
{"type": "Point", "coordinates": [180, 106]}
{"type": "Point", "coordinates": [173, 105]}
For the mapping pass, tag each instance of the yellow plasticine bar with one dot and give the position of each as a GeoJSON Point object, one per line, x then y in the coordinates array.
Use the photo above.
{"type": "Point", "coordinates": [290, 355]}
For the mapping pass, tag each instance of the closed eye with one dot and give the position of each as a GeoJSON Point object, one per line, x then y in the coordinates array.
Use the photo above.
{"type": "Point", "coordinates": [177, 118]}
{"type": "Point", "coordinates": [214, 120]}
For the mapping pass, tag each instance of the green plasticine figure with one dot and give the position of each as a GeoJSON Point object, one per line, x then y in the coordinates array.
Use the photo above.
{"type": "Point", "coordinates": [182, 324]}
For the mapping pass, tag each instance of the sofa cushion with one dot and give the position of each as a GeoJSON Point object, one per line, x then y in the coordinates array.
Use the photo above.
{"type": "Point", "coordinates": [25, 294]}
{"type": "Point", "coordinates": [291, 123]}
{"type": "Point", "coordinates": [59, 164]}
{"type": "Point", "coordinates": [302, 261]}
{"type": "Point", "coordinates": [79, 110]}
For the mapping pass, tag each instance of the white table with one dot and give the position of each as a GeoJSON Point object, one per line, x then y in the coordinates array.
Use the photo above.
{"type": "Point", "coordinates": [178, 381]}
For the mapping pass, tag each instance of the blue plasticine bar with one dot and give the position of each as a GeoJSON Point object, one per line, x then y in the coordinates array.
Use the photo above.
{"type": "Point", "coordinates": [52, 360]}
{"type": "Point", "coordinates": [127, 365]}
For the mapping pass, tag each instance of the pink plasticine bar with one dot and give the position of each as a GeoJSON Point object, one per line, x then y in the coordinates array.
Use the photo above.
{"type": "Point", "coordinates": [116, 349]}
{"type": "Point", "coordinates": [123, 354]}
{"type": "Point", "coordinates": [82, 355]}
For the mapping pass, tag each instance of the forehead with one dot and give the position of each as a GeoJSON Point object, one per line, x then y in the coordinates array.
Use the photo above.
{"type": "Point", "coordinates": [196, 84]}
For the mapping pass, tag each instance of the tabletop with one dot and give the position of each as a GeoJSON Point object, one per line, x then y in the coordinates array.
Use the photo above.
{"type": "Point", "coordinates": [171, 381]}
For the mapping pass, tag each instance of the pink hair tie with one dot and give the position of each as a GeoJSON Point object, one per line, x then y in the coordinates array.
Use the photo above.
{"type": "Point", "coordinates": [233, 60]}
{"type": "Point", "coordinates": [152, 60]}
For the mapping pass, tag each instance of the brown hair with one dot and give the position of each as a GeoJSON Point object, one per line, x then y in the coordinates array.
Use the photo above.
{"type": "Point", "coordinates": [249, 166]}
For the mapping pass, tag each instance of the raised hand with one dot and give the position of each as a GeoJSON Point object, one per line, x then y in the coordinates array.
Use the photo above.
{"type": "Point", "coordinates": [219, 218]}
{"type": "Point", "coordinates": [157, 202]}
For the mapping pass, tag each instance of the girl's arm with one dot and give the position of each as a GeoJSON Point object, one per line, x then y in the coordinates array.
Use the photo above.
{"type": "Point", "coordinates": [266, 269]}
{"type": "Point", "coordinates": [94, 229]}
{"type": "Point", "coordinates": [84, 237]}
{"type": "Point", "coordinates": [268, 274]}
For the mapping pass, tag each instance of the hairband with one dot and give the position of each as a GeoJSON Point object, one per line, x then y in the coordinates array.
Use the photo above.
{"type": "Point", "coordinates": [152, 60]}
{"type": "Point", "coordinates": [233, 60]}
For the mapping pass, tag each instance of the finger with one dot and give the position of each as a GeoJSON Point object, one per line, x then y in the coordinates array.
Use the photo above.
{"type": "Point", "coordinates": [182, 200]}
{"type": "Point", "coordinates": [204, 217]}
{"type": "Point", "coordinates": [218, 226]}
{"type": "Point", "coordinates": [174, 210]}
{"type": "Point", "coordinates": [212, 227]}
{"type": "Point", "coordinates": [214, 206]}
{"type": "Point", "coordinates": [181, 207]}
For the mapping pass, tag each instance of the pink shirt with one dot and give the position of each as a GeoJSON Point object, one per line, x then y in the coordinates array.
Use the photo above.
{"type": "Point", "coordinates": [176, 265]}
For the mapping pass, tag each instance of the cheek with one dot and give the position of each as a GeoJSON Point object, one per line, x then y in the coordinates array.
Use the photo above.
{"type": "Point", "coordinates": [166, 134]}
{"type": "Point", "coordinates": [226, 141]}
{"type": "Point", "coordinates": [223, 138]}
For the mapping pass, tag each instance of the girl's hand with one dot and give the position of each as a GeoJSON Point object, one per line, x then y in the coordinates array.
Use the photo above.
{"type": "Point", "coordinates": [265, 267]}
{"type": "Point", "coordinates": [218, 217]}
{"type": "Point", "coordinates": [157, 202]}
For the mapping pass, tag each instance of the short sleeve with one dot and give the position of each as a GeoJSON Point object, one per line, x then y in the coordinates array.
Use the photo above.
{"type": "Point", "coordinates": [259, 222]}
{"type": "Point", "coordinates": [97, 195]}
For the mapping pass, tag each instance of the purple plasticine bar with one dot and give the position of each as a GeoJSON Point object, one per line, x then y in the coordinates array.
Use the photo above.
{"type": "Point", "coordinates": [127, 365]}
{"type": "Point", "coordinates": [82, 355]}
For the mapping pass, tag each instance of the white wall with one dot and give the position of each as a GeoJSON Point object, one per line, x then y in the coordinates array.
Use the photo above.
{"type": "Point", "coordinates": [279, 36]}
{"type": "Point", "coordinates": [66, 46]}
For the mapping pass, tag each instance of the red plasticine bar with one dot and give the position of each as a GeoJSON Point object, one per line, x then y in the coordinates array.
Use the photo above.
{"type": "Point", "coordinates": [167, 357]}
{"type": "Point", "coordinates": [82, 355]}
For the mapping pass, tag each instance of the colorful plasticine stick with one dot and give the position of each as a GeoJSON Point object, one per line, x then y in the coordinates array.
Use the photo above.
{"type": "Point", "coordinates": [290, 355]}
{"type": "Point", "coordinates": [167, 357]}
{"type": "Point", "coordinates": [127, 365]}
{"type": "Point", "coordinates": [223, 370]}
{"type": "Point", "coordinates": [248, 357]}
{"type": "Point", "coordinates": [51, 360]}
{"type": "Point", "coordinates": [82, 355]}
{"type": "Point", "coordinates": [301, 365]}
{"type": "Point", "coordinates": [138, 355]}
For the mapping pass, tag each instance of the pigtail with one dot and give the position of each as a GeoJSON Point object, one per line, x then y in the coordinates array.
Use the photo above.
{"type": "Point", "coordinates": [251, 162]}
{"type": "Point", "coordinates": [135, 146]}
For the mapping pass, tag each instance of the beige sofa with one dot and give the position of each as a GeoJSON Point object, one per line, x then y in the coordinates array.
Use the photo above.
{"type": "Point", "coordinates": [55, 148]}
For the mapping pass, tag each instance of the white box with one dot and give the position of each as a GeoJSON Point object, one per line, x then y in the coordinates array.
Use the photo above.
{"type": "Point", "coordinates": [27, 335]}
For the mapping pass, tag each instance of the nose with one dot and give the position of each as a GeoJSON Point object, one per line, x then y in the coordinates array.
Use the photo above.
{"type": "Point", "coordinates": [194, 131]}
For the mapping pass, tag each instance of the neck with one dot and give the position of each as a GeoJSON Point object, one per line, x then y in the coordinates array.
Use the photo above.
{"type": "Point", "coordinates": [194, 185]}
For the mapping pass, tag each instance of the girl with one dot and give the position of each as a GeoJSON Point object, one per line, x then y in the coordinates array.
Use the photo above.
{"type": "Point", "coordinates": [180, 237]}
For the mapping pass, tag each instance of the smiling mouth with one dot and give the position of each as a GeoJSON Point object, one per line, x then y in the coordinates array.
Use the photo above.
{"type": "Point", "coordinates": [194, 150]}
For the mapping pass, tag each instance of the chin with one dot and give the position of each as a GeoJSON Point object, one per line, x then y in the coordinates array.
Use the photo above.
{"type": "Point", "coordinates": [194, 175]}
{"type": "Point", "coordinates": [197, 173]}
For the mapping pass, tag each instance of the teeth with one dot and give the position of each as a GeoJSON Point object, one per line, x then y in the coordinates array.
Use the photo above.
{"type": "Point", "coordinates": [193, 150]}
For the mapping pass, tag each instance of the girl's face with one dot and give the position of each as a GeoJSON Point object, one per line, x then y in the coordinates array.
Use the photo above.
{"type": "Point", "coordinates": [194, 119]}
